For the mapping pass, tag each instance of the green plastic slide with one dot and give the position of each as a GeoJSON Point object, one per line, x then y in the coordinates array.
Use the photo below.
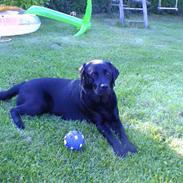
{"type": "Point", "coordinates": [82, 24]}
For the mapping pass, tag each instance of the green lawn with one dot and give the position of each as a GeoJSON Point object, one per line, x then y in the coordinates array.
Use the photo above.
{"type": "Point", "coordinates": [150, 99]}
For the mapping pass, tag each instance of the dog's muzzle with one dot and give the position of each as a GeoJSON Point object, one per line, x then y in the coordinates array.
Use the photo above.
{"type": "Point", "coordinates": [102, 89]}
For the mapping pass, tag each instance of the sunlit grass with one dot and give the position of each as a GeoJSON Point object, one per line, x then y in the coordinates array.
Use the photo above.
{"type": "Point", "coordinates": [150, 99]}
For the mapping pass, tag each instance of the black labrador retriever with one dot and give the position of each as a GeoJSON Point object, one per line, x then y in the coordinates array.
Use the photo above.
{"type": "Point", "coordinates": [90, 98]}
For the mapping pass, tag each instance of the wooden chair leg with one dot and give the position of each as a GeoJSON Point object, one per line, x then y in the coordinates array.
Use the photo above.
{"type": "Point", "coordinates": [144, 6]}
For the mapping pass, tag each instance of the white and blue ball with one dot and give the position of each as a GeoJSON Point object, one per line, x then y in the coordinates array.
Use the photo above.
{"type": "Point", "coordinates": [74, 140]}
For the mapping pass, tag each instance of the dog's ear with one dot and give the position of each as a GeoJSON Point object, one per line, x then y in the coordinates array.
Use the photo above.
{"type": "Point", "coordinates": [86, 81]}
{"type": "Point", "coordinates": [115, 72]}
{"type": "Point", "coordinates": [81, 69]}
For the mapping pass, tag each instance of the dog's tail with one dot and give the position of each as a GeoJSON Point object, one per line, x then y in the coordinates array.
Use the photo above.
{"type": "Point", "coordinates": [4, 95]}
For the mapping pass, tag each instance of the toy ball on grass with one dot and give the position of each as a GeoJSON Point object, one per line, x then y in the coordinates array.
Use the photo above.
{"type": "Point", "coordinates": [74, 140]}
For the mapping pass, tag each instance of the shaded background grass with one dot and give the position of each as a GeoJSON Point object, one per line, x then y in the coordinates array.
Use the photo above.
{"type": "Point", "coordinates": [150, 99]}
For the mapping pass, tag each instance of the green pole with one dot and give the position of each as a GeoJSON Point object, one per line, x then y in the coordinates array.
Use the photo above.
{"type": "Point", "coordinates": [83, 24]}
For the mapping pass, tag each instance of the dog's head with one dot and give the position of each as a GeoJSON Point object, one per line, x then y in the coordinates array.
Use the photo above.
{"type": "Point", "coordinates": [99, 76]}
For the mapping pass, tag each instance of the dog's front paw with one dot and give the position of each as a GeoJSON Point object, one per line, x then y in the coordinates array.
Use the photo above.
{"type": "Point", "coordinates": [127, 149]}
{"type": "Point", "coordinates": [132, 149]}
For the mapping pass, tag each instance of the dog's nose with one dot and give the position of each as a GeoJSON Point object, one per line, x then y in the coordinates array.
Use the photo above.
{"type": "Point", "coordinates": [104, 86]}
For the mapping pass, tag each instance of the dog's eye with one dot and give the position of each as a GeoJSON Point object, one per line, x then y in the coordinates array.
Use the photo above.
{"type": "Point", "coordinates": [108, 74]}
{"type": "Point", "coordinates": [94, 75]}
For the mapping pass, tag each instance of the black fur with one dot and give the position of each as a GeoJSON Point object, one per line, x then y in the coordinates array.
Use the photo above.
{"type": "Point", "coordinates": [90, 98]}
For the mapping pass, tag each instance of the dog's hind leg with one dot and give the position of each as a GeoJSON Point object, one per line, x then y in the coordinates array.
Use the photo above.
{"type": "Point", "coordinates": [28, 109]}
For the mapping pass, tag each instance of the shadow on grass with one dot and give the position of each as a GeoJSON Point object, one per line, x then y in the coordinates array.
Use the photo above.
{"type": "Point", "coordinates": [45, 158]}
